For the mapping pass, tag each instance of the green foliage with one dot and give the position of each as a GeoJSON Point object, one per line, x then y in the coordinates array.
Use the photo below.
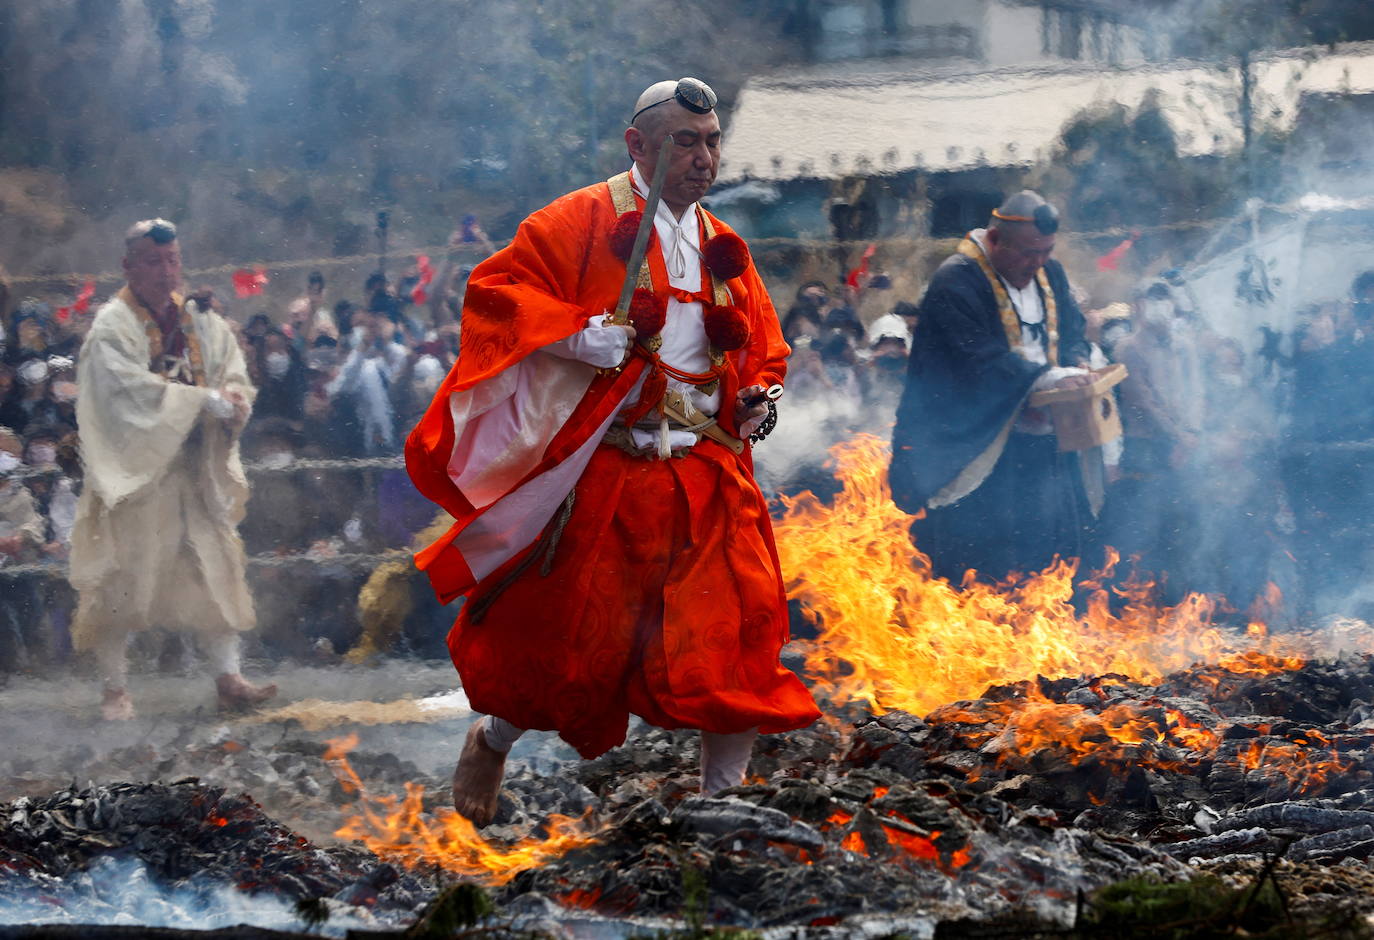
{"type": "Point", "coordinates": [1117, 167]}
{"type": "Point", "coordinates": [696, 901]}
{"type": "Point", "coordinates": [1207, 907]}
{"type": "Point", "coordinates": [1170, 909]}
{"type": "Point", "coordinates": [1234, 28]}
{"type": "Point", "coordinates": [313, 912]}
{"type": "Point", "coordinates": [458, 907]}
{"type": "Point", "coordinates": [317, 112]}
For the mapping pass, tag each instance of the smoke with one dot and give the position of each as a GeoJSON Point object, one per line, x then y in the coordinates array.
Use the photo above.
{"type": "Point", "coordinates": [794, 456]}
{"type": "Point", "coordinates": [122, 892]}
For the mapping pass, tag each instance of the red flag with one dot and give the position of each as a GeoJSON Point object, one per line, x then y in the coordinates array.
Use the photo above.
{"type": "Point", "coordinates": [419, 295]}
{"type": "Point", "coordinates": [249, 283]}
{"type": "Point", "coordinates": [1112, 259]}
{"type": "Point", "coordinates": [862, 269]}
{"type": "Point", "coordinates": [82, 302]}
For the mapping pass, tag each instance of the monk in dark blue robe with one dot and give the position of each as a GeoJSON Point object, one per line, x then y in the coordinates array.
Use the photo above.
{"type": "Point", "coordinates": [998, 322]}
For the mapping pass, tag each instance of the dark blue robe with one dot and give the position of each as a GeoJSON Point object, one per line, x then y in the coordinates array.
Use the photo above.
{"type": "Point", "coordinates": [964, 384]}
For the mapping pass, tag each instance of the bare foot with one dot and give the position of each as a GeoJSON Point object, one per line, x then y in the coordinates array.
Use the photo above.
{"type": "Point", "coordinates": [235, 694]}
{"type": "Point", "coordinates": [116, 705]}
{"type": "Point", "coordinates": [477, 778]}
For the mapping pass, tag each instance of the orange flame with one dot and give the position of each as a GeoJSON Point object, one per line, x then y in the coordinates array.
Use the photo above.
{"type": "Point", "coordinates": [894, 636]}
{"type": "Point", "coordinates": [404, 832]}
{"type": "Point", "coordinates": [1306, 770]}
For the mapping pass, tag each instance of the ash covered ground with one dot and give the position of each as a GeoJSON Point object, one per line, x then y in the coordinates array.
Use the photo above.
{"type": "Point", "coordinates": [1018, 804]}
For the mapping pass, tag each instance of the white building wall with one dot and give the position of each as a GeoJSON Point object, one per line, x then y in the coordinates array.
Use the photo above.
{"type": "Point", "coordinates": [1013, 36]}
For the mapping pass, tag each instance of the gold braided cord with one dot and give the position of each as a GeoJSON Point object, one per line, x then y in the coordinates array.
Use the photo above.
{"type": "Point", "coordinates": [153, 332]}
{"type": "Point", "coordinates": [1011, 323]}
{"type": "Point", "coordinates": [623, 200]}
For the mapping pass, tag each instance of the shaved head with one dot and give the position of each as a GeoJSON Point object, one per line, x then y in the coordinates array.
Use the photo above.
{"type": "Point", "coordinates": [685, 111]}
{"type": "Point", "coordinates": [159, 231]}
{"type": "Point", "coordinates": [152, 262]}
{"type": "Point", "coordinates": [654, 121]}
{"type": "Point", "coordinates": [1026, 208]}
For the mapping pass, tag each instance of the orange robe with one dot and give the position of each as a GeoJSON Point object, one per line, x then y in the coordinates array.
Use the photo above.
{"type": "Point", "coordinates": [664, 598]}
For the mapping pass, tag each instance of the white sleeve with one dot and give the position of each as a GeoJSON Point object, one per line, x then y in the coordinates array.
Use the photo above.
{"type": "Point", "coordinates": [1053, 374]}
{"type": "Point", "coordinates": [347, 375]}
{"type": "Point", "coordinates": [597, 344]}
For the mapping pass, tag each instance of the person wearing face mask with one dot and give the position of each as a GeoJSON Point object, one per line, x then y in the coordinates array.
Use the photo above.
{"type": "Point", "coordinates": [33, 404]}
{"type": "Point", "coordinates": [998, 322]}
{"type": "Point", "coordinates": [32, 329]}
{"type": "Point", "coordinates": [23, 533]}
{"type": "Point", "coordinates": [53, 489]}
{"type": "Point", "coordinates": [62, 391]}
{"type": "Point", "coordinates": [21, 525]}
{"type": "Point", "coordinates": [163, 397]}
{"type": "Point", "coordinates": [884, 375]}
{"type": "Point", "coordinates": [1163, 402]}
{"type": "Point", "coordinates": [1238, 464]}
{"type": "Point", "coordinates": [282, 379]}
{"type": "Point", "coordinates": [55, 495]}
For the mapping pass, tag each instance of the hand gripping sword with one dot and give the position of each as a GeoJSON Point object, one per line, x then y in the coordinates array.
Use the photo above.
{"type": "Point", "coordinates": [621, 315]}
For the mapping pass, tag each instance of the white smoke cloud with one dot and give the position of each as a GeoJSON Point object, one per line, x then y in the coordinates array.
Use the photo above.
{"type": "Point", "coordinates": [121, 891]}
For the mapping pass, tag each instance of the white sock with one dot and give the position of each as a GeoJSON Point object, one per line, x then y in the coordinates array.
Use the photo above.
{"type": "Point", "coordinates": [501, 735]}
{"type": "Point", "coordinates": [222, 650]}
{"type": "Point", "coordinates": [112, 659]}
{"type": "Point", "coordinates": [724, 759]}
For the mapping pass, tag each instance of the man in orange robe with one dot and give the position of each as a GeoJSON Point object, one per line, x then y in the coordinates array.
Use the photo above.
{"type": "Point", "coordinates": [617, 556]}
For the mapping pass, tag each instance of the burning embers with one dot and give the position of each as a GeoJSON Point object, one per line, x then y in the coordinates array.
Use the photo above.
{"type": "Point", "coordinates": [893, 636]}
{"type": "Point", "coordinates": [407, 832]}
{"type": "Point", "coordinates": [182, 855]}
{"type": "Point", "coordinates": [1058, 752]}
{"type": "Point", "coordinates": [1142, 719]}
{"type": "Point", "coordinates": [1022, 797]}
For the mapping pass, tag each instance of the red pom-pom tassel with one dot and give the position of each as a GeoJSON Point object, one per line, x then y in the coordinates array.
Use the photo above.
{"type": "Point", "coordinates": [726, 328]}
{"type": "Point", "coordinates": [648, 312]}
{"type": "Point", "coordinates": [726, 255]}
{"type": "Point", "coordinates": [624, 232]}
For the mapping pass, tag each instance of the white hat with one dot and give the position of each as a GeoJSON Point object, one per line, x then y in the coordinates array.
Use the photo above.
{"type": "Point", "coordinates": [888, 326]}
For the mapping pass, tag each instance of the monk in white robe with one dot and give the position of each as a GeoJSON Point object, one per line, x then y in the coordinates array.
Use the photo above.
{"type": "Point", "coordinates": [163, 395]}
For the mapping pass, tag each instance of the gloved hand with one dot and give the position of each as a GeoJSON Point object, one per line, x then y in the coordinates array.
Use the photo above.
{"type": "Point", "coordinates": [599, 343]}
{"type": "Point", "coordinates": [219, 406]}
{"type": "Point", "coordinates": [647, 440]}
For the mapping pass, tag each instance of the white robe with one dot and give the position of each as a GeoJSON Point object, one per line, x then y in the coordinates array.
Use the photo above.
{"type": "Point", "coordinates": [155, 541]}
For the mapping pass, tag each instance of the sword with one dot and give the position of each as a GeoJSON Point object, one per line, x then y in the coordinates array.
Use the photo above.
{"type": "Point", "coordinates": [621, 315]}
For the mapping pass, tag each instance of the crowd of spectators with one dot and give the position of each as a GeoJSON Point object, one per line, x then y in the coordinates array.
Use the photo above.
{"type": "Point", "coordinates": [1242, 462]}
{"type": "Point", "coordinates": [1229, 465]}
{"type": "Point", "coordinates": [340, 381]}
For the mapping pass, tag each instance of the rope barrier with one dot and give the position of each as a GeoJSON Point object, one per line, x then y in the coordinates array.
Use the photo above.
{"type": "Point", "coordinates": [53, 569]}
{"type": "Point", "coordinates": [371, 258]}
{"type": "Point", "coordinates": [903, 241]}
{"type": "Point", "coordinates": [911, 241]}
{"type": "Point", "coordinates": [268, 559]}
{"type": "Point", "coordinates": [394, 462]}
